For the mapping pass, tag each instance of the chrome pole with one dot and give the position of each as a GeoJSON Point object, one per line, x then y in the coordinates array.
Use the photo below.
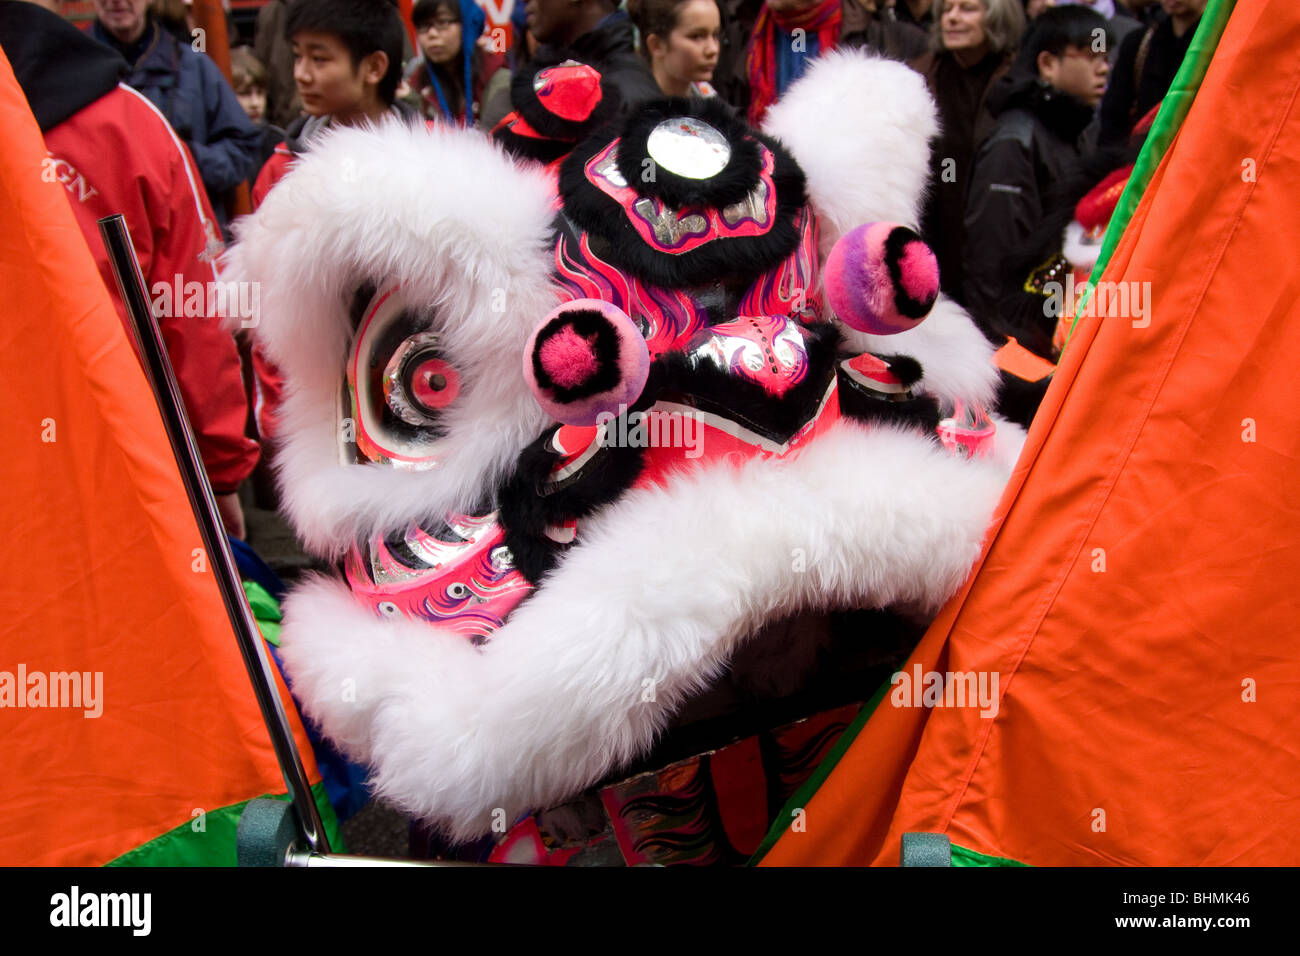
{"type": "Point", "coordinates": [158, 369]}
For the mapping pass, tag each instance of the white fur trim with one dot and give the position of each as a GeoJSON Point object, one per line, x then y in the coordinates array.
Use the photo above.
{"type": "Point", "coordinates": [660, 590]}
{"type": "Point", "coordinates": [860, 126]}
{"type": "Point", "coordinates": [466, 232]}
{"type": "Point", "coordinates": [1079, 253]}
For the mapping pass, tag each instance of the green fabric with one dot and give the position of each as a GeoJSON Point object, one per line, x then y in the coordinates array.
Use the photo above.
{"type": "Point", "coordinates": [1173, 109]}
{"type": "Point", "coordinates": [266, 611]}
{"type": "Point", "coordinates": [964, 857]}
{"type": "Point", "coordinates": [215, 844]}
{"type": "Point", "coordinates": [814, 782]}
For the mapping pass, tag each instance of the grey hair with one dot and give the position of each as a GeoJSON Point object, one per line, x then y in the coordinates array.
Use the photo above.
{"type": "Point", "coordinates": [1004, 25]}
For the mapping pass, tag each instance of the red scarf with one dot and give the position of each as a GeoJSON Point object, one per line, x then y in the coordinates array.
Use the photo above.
{"type": "Point", "coordinates": [821, 18]}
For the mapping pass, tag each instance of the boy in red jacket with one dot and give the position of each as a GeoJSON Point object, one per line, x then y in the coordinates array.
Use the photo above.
{"type": "Point", "coordinates": [347, 63]}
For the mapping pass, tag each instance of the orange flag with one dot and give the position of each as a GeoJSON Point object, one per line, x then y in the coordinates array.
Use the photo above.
{"type": "Point", "coordinates": [1138, 603]}
{"type": "Point", "coordinates": [127, 722]}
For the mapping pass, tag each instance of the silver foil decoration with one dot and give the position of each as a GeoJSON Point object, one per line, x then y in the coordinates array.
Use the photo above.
{"type": "Point", "coordinates": [607, 169]}
{"type": "Point", "coordinates": [689, 147]}
{"type": "Point", "coordinates": [753, 207]}
{"type": "Point", "coordinates": [668, 226]}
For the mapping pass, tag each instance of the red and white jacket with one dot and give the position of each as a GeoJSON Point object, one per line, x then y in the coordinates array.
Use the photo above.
{"type": "Point", "coordinates": [119, 155]}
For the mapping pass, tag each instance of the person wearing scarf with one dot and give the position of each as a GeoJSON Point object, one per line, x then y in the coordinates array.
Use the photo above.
{"type": "Point", "coordinates": [778, 56]}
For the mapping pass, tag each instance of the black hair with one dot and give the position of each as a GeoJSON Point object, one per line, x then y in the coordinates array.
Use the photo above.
{"type": "Point", "coordinates": [426, 11]}
{"type": "Point", "coordinates": [1058, 28]}
{"type": "Point", "coordinates": [363, 26]}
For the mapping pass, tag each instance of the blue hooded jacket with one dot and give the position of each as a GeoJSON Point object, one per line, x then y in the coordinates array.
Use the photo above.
{"type": "Point", "coordinates": [472, 22]}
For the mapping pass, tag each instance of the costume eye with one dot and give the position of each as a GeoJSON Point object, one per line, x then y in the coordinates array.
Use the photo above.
{"type": "Point", "coordinates": [389, 609]}
{"type": "Point", "coordinates": [457, 590]}
{"type": "Point", "coordinates": [400, 381]}
{"type": "Point", "coordinates": [418, 382]}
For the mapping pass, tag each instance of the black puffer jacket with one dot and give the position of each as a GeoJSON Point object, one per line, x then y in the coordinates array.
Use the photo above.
{"type": "Point", "coordinates": [610, 47]}
{"type": "Point", "coordinates": [1022, 172]}
{"type": "Point", "coordinates": [1132, 93]}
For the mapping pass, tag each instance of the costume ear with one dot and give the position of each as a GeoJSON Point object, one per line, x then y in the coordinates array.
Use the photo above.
{"type": "Point", "coordinates": [881, 278]}
{"type": "Point", "coordinates": [586, 357]}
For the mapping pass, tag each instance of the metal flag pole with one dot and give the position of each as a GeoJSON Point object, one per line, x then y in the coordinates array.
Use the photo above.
{"type": "Point", "coordinates": [158, 369]}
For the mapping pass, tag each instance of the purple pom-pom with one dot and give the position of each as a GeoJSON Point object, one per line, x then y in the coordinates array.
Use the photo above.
{"type": "Point", "coordinates": [881, 278]}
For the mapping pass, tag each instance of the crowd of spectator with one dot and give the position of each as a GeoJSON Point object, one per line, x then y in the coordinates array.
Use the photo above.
{"type": "Point", "coordinates": [1037, 99]}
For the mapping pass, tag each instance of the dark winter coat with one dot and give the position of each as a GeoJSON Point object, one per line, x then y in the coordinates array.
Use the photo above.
{"type": "Point", "coordinates": [610, 47]}
{"type": "Point", "coordinates": [1129, 97]}
{"type": "Point", "coordinates": [965, 121]}
{"type": "Point", "coordinates": [189, 89]}
{"type": "Point", "coordinates": [1033, 152]}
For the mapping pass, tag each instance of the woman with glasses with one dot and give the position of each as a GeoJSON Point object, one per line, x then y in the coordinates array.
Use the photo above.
{"type": "Point", "coordinates": [455, 73]}
{"type": "Point", "coordinates": [1031, 171]}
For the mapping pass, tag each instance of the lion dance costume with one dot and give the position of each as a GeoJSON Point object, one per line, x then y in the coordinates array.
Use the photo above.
{"type": "Point", "coordinates": [564, 420]}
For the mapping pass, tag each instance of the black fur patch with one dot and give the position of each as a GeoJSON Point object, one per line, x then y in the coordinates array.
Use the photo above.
{"type": "Point", "coordinates": [1018, 400]}
{"type": "Point", "coordinates": [544, 151]}
{"type": "Point", "coordinates": [525, 510]}
{"type": "Point", "coordinates": [585, 322]}
{"type": "Point", "coordinates": [904, 368]}
{"type": "Point", "coordinates": [921, 411]}
{"type": "Point", "coordinates": [603, 217]}
{"type": "Point", "coordinates": [731, 185]}
{"type": "Point", "coordinates": [527, 104]}
{"type": "Point", "coordinates": [895, 243]}
{"type": "Point", "coordinates": [360, 302]}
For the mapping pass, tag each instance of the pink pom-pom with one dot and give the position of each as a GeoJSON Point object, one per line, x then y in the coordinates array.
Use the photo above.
{"type": "Point", "coordinates": [881, 278]}
{"type": "Point", "coordinates": [569, 358]}
{"type": "Point", "coordinates": [585, 358]}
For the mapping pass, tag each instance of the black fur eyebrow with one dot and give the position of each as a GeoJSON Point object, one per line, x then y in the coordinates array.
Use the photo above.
{"type": "Point", "coordinates": [360, 299]}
